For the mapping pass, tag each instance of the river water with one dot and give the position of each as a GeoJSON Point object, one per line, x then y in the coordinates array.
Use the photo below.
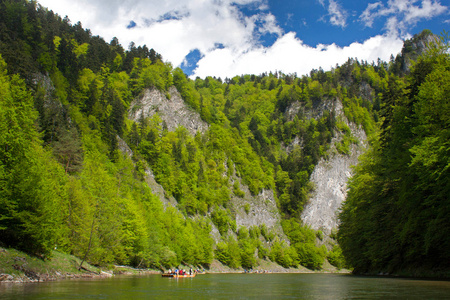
{"type": "Point", "coordinates": [232, 286]}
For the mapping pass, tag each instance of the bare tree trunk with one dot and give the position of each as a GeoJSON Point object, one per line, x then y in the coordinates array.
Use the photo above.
{"type": "Point", "coordinates": [90, 242]}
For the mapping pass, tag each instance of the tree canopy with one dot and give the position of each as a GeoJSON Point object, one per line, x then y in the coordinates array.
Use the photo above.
{"type": "Point", "coordinates": [69, 181]}
{"type": "Point", "coordinates": [395, 217]}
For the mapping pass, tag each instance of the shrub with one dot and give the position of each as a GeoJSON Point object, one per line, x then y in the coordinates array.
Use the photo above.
{"type": "Point", "coordinates": [336, 258]}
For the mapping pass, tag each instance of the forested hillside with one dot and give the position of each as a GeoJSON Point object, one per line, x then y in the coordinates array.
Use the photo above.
{"type": "Point", "coordinates": [395, 218]}
{"type": "Point", "coordinates": [66, 184]}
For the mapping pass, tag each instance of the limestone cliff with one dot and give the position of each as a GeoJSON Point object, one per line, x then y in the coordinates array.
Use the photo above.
{"type": "Point", "coordinates": [249, 210]}
{"type": "Point", "coordinates": [170, 107]}
{"type": "Point", "coordinates": [331, 174]}
{"type": "Point", "coordinates": [330, 179]}
{"type": "Point", "coordinates": [255, 210]}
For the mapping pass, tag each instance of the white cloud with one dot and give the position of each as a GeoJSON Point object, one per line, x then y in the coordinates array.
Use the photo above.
{"type": "Point", "coordinates": [428, 10]}
{"type": "Point", "coordinates": [174, 28]}
{"type": "Point", "coordinates": [290, 55]}
{"type": "Point", "coordinates": [368, 16]}
{"type": "Point", "coordinates": [401, 14]}
{"type": "Point", "coordinates": [337, 15]}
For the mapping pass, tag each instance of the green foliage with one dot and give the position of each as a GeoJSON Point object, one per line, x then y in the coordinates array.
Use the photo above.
{"type": "Point", "coordinates": [32, 183]}
{"type": "Point", "coordinates": [247, 208]}
{"type": "Point", "coordinates": [336, 258]}
{"type": "Point", "coordinates": [146, 74]}
{"type": "Point", "coordinates": [303, 241]}
{"type": "Point", "coordinates": [343, 146]}
{"type": "Point", "coordinates": [394, 218]}
{"type": "Point", "coordinates": [268, 235]}
{"type": "Point", "coordinates": [64, 181]}
{"type": "Point", "coordinates": [228, 253]}
{"type": "Point", "coordinates": [238, 192]}
{"type": "Point", "coordinates": [283, 255]}
{"type": "Point", "coordinates": [221, 218]}
{"type": "Point", "coordinates": [310, 256]}
{"type": "Point", "coordinates": [247, 250]}
{"type": "Point", "coordinates": [93, 203]}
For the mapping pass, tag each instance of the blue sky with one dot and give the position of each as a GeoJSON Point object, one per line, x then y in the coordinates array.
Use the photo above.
{"type": "Point", "coordinates": [311, 20]}
{"type": "Point", "coordinates": [224, 38]}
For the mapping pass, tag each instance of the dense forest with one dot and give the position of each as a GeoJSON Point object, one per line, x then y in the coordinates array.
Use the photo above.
{"type": "Point", "coordinates": [395, 218]}
{"type": "Point", "coordinates": [66, 185]}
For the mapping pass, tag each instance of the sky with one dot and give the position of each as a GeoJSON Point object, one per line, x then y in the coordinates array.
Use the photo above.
{"type": "Point", "coordinates": [225, 38]}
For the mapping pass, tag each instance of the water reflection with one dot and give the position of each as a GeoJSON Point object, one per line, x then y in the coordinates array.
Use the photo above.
{"type": "Point", "coordinates": [233, 286]}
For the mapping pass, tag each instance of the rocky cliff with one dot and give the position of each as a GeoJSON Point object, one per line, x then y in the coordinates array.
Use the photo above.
{"type": "Point", "coordinates": [330, 177]}
{"type": "Point", "coordinates": [249, 210]}
{"type": "Point", "coordinates": [415, 47]}
{"type": "Point", "coordinates": [170, 107]}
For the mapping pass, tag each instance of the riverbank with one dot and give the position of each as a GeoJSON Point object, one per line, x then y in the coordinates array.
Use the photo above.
{"type": "Point", "coordinates": [17, 266]}
{"type": "Point", "coordinates": [265, 266]}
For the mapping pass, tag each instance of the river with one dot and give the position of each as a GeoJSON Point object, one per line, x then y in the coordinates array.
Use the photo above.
{"type": "Point", "coordinates": [232, 286]}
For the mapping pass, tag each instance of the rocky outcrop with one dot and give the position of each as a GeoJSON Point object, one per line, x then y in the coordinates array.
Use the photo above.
{"type": "Point", "coordinates": [316, 111]}
{"type": "Point", "coordinates": [249, 210]}
{"type": "Point", "coordinates": [330, 178]}
{"type": "Point", "coordinates": [415, 47]}
{"type": "Point", "coordinates": [256, 210]}
{"type": "Point", "coordinates": [170, 107]}
{"type": "Point", "coordinates": [158, 189]}
{"type": "Point", "coordinates": [123, 147]}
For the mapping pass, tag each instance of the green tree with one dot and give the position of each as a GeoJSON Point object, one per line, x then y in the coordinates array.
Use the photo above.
{"type": "Point", "coordinates": [32, 185]}
{"type": "Point", "coordinates": [393, 219]}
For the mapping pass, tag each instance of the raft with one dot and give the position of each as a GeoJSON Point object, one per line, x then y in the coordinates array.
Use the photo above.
{"type": "Point", "coordinates": [178, 276]}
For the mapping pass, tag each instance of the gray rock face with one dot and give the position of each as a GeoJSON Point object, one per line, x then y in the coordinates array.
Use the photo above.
{"type": "Point", "coordinates": [416, 47]}
{"type": "Point", "coordinates": [330, 179]}
{"type": "Point", "coordinates": [158, 190]}
{"type": "Point", "coordinates": [173, 110]}
{"type": "Point", "coordinates": [256, 210]}
{"type": "Point", "coordinates": [123, 147]}
{"type": "Point", "coordinates": [262, 209]}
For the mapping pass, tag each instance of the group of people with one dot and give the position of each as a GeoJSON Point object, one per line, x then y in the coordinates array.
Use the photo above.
{"type": "Point", "coordinates": [180, 272]}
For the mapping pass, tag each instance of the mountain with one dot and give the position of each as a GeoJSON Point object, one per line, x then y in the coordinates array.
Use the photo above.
{"type": "Point", "coordinates": [114, 156]}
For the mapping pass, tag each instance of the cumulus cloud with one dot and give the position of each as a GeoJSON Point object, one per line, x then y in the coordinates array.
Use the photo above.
{"type": "Point", "coordinates": [227, 41]}
{"type": "Point", "coordinates": [172, 27]}
{"type": "Point", "coordinates": [290, 55]}
{"type": "Point", "coordinates": [401, 14]}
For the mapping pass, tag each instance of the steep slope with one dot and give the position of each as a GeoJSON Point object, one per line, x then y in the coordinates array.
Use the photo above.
{"type": "Point", "coordinates": [395, 219]}
{"type": "Point", "coordinates": [234, 159]}
{"type": "Point", "coordinates": [330, 178]}
{"type": "Point", "coordinates": [331, 174]}
{"type": "Point", "coordinates": [248, 209]}
{"type": "Point", "coordinates": [170, 107]}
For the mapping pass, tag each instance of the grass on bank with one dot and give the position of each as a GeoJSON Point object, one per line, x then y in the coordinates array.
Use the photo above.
{"type": "Point", "coordinates": [16, 265]}
{"type": "Point", "coordinates": [19, 264]}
